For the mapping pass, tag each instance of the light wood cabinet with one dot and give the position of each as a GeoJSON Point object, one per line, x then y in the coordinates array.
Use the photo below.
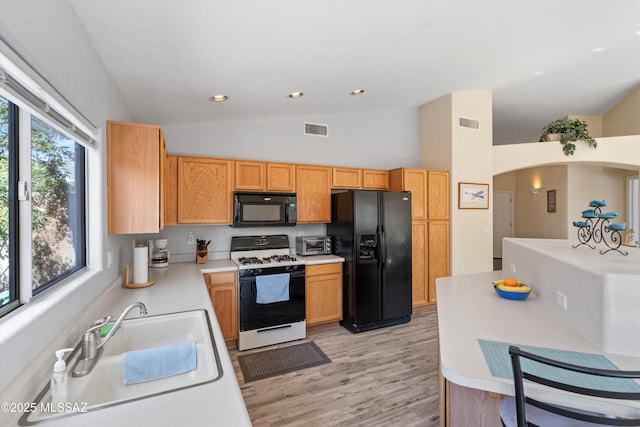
{"type": "Point", "coordinates": [223, 290]}
{"type": "Point", "coordinates": [375, 179]}
{"type": "Point", "coordinates": [438, 251]}
{"type": "Point", "coordinates": [323, 293]}
{"type": "Point", "coordinates": [171, 191]}
{"type": "Point", "coordinates": [263, 176]}
{"type": "Point", "coordinates": [205, 190]}
{"type": "Point", "coordinates": [346, 178]}
{"type": "Point", "coordinates": [281, 177]}
{"type": "Point", "coordinates": [420, 263]}
{"type": "Point", "coordinates": [313, 189]}
{"type": "Point", "coordinates": [430, 227]}
{"type": "Point", "coordinates": [438, 191]}
{"type": "Point", "coordinates": [135, 178]}
{"type": "Point", "coordinates": [414, 180]}
{"type": "Point", "coordinates": [250, 175]}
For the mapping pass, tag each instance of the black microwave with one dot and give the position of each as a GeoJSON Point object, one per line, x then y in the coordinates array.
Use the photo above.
{"type": "Point", "coordinates": [263, 209]}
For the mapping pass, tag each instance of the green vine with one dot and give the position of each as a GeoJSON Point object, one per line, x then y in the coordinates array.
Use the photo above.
{"type": "Point", "coordinates": [570, 130]}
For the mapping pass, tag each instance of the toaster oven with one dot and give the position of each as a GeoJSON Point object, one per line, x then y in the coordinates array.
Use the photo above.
{"type": "Point", "coordinates": [313, 245]}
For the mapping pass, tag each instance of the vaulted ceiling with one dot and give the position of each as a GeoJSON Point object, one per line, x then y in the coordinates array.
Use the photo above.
{"type": "Point", "coordinates": [541, 59]}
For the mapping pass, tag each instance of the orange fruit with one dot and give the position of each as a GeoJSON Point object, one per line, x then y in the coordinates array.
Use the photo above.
{"type": "Point", "coordinates": [510, 281]}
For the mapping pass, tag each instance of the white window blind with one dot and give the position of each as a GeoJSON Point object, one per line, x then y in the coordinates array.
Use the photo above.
{"type": "Point", "coordinates": [24, 84]}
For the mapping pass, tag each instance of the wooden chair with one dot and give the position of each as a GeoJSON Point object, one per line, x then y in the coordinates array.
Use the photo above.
{"type": "Point", "coordinates": [524, 411]}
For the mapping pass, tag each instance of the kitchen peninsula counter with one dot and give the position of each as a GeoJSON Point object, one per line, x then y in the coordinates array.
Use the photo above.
{"type": "Point", "coordinates": [469, 309]}
{"type": "Point", "coordinates": [179, 287]}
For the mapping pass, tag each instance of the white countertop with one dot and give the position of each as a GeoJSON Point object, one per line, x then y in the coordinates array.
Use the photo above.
{"type": "Point", "coordinates": [320, 259]}
{"type": "Point", "coordinates": [469, 309]}
{"type": "Point", "coordinates": [179, 287]}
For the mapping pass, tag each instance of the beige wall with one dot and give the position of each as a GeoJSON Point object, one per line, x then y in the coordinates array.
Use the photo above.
{"type": "Point", "coordinates": [466, 153]}
{"type": "Point", "coordinates": [532, 218]}
{"type": "Point", "coordinates": [505, 182]}
{"type": "Point", "coordinates": [435, 134]}
{"type": "Point", "coordinates": [594, 124]}
{"type": "Point", "coordinates": [624, 118]}
{"type": "Point", "coordinates": [575, 184]}
{"type": "Point", "coordinates": [620, 151]}
{"type": "Point", "coordinates": [589, 182]}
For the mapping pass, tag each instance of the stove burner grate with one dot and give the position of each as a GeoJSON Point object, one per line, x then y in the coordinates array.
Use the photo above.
{"type": "Point", "coordinates": [265, 260]}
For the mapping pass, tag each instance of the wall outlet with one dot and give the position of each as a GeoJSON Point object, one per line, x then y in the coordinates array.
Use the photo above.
{"type": "Point", "coordinates": [110, 259]}
{"type": "Point", "coordinates": [513, 268]}
{"type": "Point", "coordinates": [190, 238]}
{"type": "Point", "coordinates": [561, 299]}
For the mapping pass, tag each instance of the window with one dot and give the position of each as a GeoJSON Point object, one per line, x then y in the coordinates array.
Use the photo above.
{"type": "Point", "coordinates": [56, 202]}
{"type": "Point", "coordinates": [8, 290]}
{"type": "Point", "coordinates": [57, 206]}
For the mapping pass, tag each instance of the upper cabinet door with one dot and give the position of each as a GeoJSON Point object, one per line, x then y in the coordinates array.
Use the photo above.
{"type": "Point", "coordinates": [205, 190]}
{"type": "Point", "coordinates": [414, 180]}
{"type": "Point", "coordinates": [250, 175]}
{"type": "Point", "coordinates": [438, 183]}
{"type": "Point", "coordinates": [313, 188]}
{"type": "Point", "coordinates": [375, 179]}
{"type": "Point", "coordinates": [281, 177]}
{"type": "Point", "coordinates": [134, 153]}
{"type": "Point", "coordinates": [347, 178]}
{"type": "Point", "coordinates": [171, 191]}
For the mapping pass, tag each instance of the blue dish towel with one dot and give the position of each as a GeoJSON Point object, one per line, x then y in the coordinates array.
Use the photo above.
{"type": "Point", "coordinates": [158, 362]}
{"type": "Point", "coordinates": [272, 288]}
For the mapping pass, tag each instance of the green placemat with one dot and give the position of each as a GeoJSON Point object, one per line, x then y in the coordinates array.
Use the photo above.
{"type": "Point", "coordinates": [496, 354]}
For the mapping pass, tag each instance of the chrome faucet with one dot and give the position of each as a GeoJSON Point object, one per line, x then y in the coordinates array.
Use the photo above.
{"type": "Point", "coordinates": [91, 344]}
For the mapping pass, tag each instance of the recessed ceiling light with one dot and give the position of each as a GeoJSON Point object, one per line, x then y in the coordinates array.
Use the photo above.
{"type": "Point", "coordinates": [294, 95]}
{"type": "Point", "coordinates": [599, 49]}
{"type": "Point", "coordinates": [218, 98]}
{"type": "Point", "coordinates": [357, 92]}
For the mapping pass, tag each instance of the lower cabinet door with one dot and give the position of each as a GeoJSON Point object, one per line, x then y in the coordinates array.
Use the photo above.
{"type": "Point", "coordinates": [323, 293]}
{"type": "Point", "coordinates": [223, 291]}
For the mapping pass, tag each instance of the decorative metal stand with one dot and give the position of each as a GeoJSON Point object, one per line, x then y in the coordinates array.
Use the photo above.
{"type": "Point", "coordinates": [598, 228]}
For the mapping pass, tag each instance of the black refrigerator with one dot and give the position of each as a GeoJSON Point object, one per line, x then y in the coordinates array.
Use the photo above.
{"type": "Point", "coordinates": [371, 230]}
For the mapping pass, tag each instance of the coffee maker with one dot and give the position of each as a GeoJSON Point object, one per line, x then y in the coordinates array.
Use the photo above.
{"type": "Point", "coordinates": [158, 253]}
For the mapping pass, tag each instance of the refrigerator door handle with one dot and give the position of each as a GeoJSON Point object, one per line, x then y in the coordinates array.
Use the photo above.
{"type": "Point", "coordinates": [383, 248]}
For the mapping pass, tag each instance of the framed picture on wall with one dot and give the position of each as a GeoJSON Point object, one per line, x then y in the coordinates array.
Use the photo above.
{"type": "Point", "coordinates": [473, 195]}
{"type": "Point", "coordinates": [551, 201]}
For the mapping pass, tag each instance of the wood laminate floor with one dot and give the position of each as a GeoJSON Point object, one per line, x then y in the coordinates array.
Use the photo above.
{"type": "Point", "coordinates": [385, 377]}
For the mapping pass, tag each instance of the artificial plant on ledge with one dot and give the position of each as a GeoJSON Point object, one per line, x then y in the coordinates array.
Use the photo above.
{"type": "Point", "coordinates": [568, 131]}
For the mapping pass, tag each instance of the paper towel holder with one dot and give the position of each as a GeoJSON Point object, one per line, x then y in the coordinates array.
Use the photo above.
{"type": "Point", "coordinates": [132, 285]}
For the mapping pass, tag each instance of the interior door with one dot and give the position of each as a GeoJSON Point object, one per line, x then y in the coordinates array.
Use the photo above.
{"type": "Point", "coordinates": [502, 219]}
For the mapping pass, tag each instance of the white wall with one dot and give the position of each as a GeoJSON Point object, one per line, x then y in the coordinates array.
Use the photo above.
{"type": "Point", "coordinates": [48, 36]}
{"type": "Point", "coordinates": [381, 139]}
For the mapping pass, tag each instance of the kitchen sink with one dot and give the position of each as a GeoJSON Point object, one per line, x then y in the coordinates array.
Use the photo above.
{"type": "Point", "coordinates": [103, 386]}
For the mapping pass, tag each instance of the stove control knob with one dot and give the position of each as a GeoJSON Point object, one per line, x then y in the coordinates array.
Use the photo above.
{"type": "Point", "coordinates": [258, 270]}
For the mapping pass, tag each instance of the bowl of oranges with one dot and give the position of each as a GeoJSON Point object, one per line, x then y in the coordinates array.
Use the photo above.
{"type": "Point", "coordinates": [510, 288]}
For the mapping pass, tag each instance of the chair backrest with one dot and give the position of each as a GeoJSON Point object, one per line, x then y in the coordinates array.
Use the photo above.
{"type": "Point", "coordinates": [632, 391]}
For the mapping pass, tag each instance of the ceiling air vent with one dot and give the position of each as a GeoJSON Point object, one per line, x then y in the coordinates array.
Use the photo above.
{"type": "Point", "coordinates": [316, 129]}
{"type": "Point", "coordinates": [465, 122]}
